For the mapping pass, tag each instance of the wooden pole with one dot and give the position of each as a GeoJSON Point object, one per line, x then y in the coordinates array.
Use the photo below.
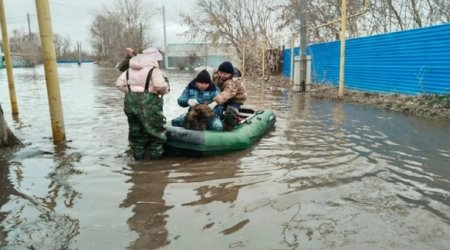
{"type": "Point", "coordinates": [51, 70]}
{"type": "Point", "coordinates": [8, 61]}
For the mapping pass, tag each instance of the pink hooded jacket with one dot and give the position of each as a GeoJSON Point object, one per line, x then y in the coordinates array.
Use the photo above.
{"type": "Point", "coordinates": [140, 65]}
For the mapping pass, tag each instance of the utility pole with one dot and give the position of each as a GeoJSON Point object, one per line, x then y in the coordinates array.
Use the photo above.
{"type": "Point", "coordinates": [166, 63]}
{"type": "Point", "coordinates": [303, 41]}
{"type": "Point", "coordinates": [300, 81]}
{"type": "Point", "coordinates": [29, 26]}
{"type": "Point", "coordinates": [8, 60]}
{"type": "Point", "coordinates": [51, 71]}
{"type": "Point", "coordinates": [79, 52]}
{"type": "Point", "coordinates": [342, 57]}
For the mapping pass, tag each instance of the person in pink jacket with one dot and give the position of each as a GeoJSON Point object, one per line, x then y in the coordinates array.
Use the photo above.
{"type": "Point", "coordinates": [144, 84]}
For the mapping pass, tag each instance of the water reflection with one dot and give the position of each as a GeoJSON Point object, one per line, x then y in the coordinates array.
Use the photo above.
{"type": "Point", "coordinates": [6, 189]}
{"type": "Point", "coordinates": [148, 206]}
{"type": "Point", "coordinates": [59, 185]}
{"type": "Point", "coordinates": [35, 220]}
{"type": "Point", "coordinates": [153, 185]}
{"type": "Point", "coordinates": [202, 172]}
{"type": "Point", "coordinates": [203, 193]}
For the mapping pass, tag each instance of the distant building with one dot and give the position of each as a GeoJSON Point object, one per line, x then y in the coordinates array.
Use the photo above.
{"type": "Point", "coordinates": [193, 55]}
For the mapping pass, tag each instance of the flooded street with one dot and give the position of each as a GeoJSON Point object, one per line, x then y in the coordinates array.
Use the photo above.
{"type": "Point", "coordinates": [328, 176]}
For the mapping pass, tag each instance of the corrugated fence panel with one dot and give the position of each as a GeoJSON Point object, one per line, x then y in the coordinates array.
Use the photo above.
{"type": "Point", "coordinates": [408, 62]}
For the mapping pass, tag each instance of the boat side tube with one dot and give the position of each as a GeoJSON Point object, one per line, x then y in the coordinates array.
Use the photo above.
{"type": "Point", "coordinates": [181, 141]}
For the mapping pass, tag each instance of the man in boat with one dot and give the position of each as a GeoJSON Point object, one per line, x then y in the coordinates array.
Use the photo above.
{"type": "Point", "coordinates": [232, 93]}
{"type": "Point", "coordinates": [144, 84]}
{"type": "Point", "coordinates": [200, 90]}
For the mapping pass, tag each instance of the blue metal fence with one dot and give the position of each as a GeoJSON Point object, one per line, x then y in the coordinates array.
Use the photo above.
{"type": "Point", "coordinates": [409, 62]}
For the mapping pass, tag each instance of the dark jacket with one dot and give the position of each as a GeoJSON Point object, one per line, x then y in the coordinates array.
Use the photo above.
{"type": "Point", "coordinates": [125, 64]}
{"type": "Point", "coordinates": [207, 96]}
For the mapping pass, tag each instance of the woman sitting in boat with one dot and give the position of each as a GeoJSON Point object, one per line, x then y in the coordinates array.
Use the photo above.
{"type": "Point", "coordinates": [201, 90]}
{"type": "Point", "coordinates": [232, 93]}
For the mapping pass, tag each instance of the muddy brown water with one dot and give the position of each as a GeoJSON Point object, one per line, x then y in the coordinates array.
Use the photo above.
{"type": "Point", "coordinates": [328, 176]}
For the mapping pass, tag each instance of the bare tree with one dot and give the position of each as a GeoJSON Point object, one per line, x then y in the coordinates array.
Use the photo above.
{"type": "Point", "coordinates": [244, 25]}
{"type": "Point", "coordinates": [382, 16]}
{"type": "Point", "coordinates": [62, 46]}
{"type": "Point", "coordinates": [26, 45]}
{"type": "Point", "coordinates": [125, 24]}
{"type": "Point", "coordinates": [105, 35]}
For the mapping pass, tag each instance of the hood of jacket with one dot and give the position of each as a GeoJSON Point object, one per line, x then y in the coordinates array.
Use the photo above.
{"type": "Point", "coordinates": [149, 58]}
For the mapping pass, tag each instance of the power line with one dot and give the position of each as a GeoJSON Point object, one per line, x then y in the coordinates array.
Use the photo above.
{"type": "Point", "coordinates": [72, 7]}
{"type": "Point", "coordinates": [91, 11]}
{"type": "Point", "coordinates": [17, 17]}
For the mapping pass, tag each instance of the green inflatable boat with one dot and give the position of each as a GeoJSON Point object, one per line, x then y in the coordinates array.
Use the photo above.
{"type": "Point", "coordinates": [181, 141]}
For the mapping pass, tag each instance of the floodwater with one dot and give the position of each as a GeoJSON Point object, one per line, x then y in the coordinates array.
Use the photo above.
{"type": "Point", "coordinates": [328, 176]}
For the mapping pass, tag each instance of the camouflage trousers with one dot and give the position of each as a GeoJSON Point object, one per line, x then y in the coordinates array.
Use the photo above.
{"type": "Point", "coordinates": [230, 118]}
{"type": "Point", "coordinates": [146, 124]}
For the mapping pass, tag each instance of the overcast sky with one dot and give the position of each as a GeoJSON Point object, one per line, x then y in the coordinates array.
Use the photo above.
{"type": "Point", "coordinates": [73, 18]}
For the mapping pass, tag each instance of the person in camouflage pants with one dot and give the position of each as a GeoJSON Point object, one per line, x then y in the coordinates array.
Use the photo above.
{"type": "Point", "coordinates": [144, 85]}
{"type": "Point", "coordinates": [146, 125]}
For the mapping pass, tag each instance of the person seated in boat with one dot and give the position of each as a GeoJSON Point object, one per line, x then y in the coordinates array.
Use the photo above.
{"type": "Point", "coordinates": [200, 90]}
{"type": "Point", "coordinates": [236, 73]}
{"type": "Point", "coordinates": [232, 93]}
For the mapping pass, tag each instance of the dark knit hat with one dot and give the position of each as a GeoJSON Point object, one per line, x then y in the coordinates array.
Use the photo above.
{"type": "Point", "coordinates": [226, 67]}
{"type": "Point", "coordinates": [203, 76]}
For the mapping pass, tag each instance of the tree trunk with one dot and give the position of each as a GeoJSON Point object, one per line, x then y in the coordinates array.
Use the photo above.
{"type": "Point", "coordinates": [7, 138]}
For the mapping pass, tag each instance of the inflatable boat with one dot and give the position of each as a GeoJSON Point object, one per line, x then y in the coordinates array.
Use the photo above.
{"type": "Point", "coordinates": [251, 128]}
